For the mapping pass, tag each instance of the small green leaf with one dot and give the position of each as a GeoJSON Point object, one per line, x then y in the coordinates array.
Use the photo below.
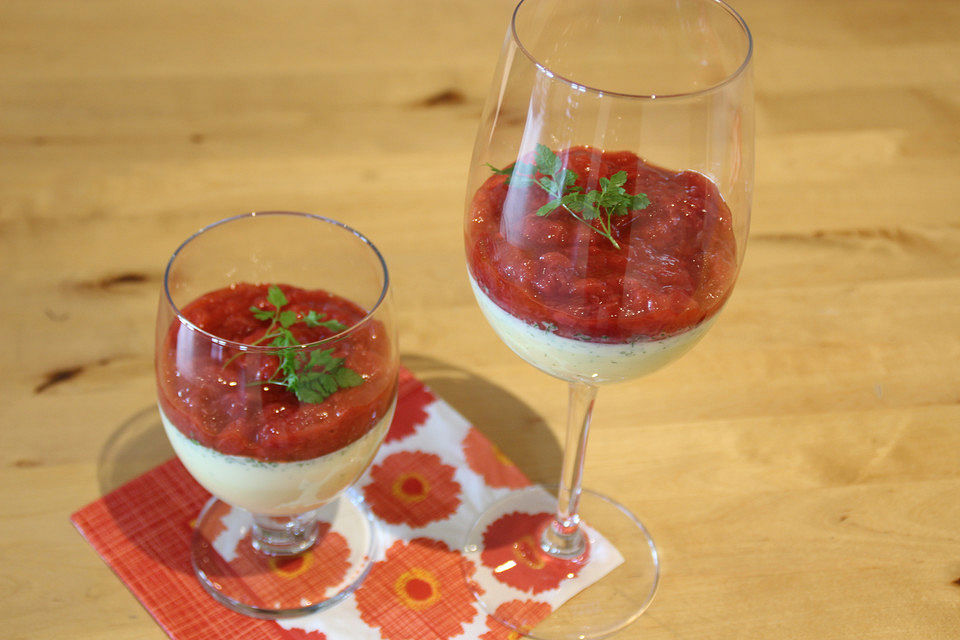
{"type": "Point", "coordinates": [550, 186]}
{"type": "Point", "coordinates": [314, 319]}
{"type": "Point", "coordinates": [261, 314]}
{"type": "Point", "coordinates": [639, 201]}
{"type": "Point", "coordinates": [547, 161]}
{"type": "Point", "coordinates": [501, 172]}
{"type": "Point", "coordinates": [311, 393]}
{"type": "Point", "coordinates": [566, 177]}
{"type": "Point", "coordinates": [276, 297]}
{"type": "Point", "coordinates": [573, 201]}
{"type": "Point", "coordinates": [608, 200]}
{"type": "Point", "coordinates": [619, 178]}
{"type": "Point", "coordinates": [328, 382]}
{"type": "Point", "coordinates": [590, 212]}
{"type": "Point", "coordinates": [348, 378]}
{"type": "Point", "coordinates": [548, 208]}
{"type": "Point", "coordinates": [320, 358]}
{"type": "Point", "coordinates": [586, 203]}
{"type": "Point", "coordinates": [284, 338]}
{"type": "Point", "coordinates": [287, 318]}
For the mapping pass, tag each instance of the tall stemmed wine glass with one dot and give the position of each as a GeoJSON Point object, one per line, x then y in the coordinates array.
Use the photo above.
{"type": "Point", "coordinates": [607, 212]}
{"type": "Point", "coordinates": [276, 365]}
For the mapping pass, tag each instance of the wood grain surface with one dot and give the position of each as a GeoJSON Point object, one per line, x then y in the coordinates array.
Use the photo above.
{"type": "Point", "coordinates": [800, 469]}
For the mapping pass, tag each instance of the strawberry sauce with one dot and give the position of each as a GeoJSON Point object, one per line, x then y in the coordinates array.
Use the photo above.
{"type": "Point", "coordinates": [675, 266]}
{"type": "Point", "coordinates": [221, 400]}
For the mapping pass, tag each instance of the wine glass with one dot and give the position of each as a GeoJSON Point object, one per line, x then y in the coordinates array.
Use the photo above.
{"type": "Point", "coordinates": [607, 211]}
{"type": "Point", "coordinates": [276, 365]}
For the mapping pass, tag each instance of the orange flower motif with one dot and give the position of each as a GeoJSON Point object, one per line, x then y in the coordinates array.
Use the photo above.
{"type": "Point", "coordinates": [320, 568]}
{"type": "Point", "coordinates": [412, 399]}
{"type": "Point", "coordinates": [413, 488]}
{"type": "Point", "coordinates": [292, 566]}
{"type": "Point", "coordinates": [487, 460]}
{"type": "Point", "coordinates": [418, 591]}
{"type": "Point", "coordinates": [511, 549]}
{"type": "Point", "coordinates": [527, 614]}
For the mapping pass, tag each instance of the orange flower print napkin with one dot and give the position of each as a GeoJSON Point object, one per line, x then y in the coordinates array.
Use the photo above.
{"type": "Point", "coordinates": [432, 478]}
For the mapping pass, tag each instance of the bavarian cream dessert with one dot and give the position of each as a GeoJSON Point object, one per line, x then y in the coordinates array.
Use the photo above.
{"type": "Point", "coordinates": [597, 265]}
{"type": "Point", "coordinates": [276, 398]}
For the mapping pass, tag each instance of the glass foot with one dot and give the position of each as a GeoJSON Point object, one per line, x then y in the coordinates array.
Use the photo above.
{"type": "Point", "coordinates": [618, 569]}
{"type": "Point", "coordinates": [278, 586]}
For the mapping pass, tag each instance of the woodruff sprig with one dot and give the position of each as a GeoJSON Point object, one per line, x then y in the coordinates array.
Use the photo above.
{"type": "Point", "coordinates": [596, 205]}
{"type": "Point", "coordinates": [313, 376]}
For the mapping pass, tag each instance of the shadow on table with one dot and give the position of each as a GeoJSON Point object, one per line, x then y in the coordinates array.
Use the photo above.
{"type": "Point", "coordinates": [136, 447]}
{"type": "Point", "coordinates": [517, 430]}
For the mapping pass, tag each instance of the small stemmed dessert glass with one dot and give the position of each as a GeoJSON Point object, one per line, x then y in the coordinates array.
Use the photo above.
{"type": "Point", "coordinates": [276, 368]}
{"type": "Point", "coordinates": [607, 212]}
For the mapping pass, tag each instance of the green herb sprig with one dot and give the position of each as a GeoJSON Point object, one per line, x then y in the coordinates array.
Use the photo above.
{"type": "Point", "coordinates": [594, 206]}
{"type": "Point", "coordinates": [313, 376]}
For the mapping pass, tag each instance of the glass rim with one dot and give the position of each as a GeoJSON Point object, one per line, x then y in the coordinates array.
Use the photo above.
{"type": "Point", "coordinates": [641, 96]}
{"type": "Point", "coordinates": [256, 348]}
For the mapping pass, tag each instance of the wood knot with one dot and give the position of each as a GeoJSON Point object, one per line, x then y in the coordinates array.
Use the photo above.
{"type": "Point", "coordinates": [447, 97]}
{"type": "Point", "coordinates": [56, 377]}
{"type": "Point", "coordinates": [119, 279]}
{"type": "Point", "coordinates": [122, 278]}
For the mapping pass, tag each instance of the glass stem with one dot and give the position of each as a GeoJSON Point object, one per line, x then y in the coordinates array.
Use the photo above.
{"type": "Point", "coordinates": [563, 538]}
{"type": "Point", "coordinates": [284, 535]}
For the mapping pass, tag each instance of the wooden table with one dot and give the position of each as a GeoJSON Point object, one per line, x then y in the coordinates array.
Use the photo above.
{"type": "Point", "coordinates": [800, 469]}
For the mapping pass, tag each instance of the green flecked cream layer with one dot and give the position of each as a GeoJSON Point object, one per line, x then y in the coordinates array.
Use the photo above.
{"type": "Point", "coordinates": [277, 488]}
{"type": "Point", "coordinates": [593, 362]}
